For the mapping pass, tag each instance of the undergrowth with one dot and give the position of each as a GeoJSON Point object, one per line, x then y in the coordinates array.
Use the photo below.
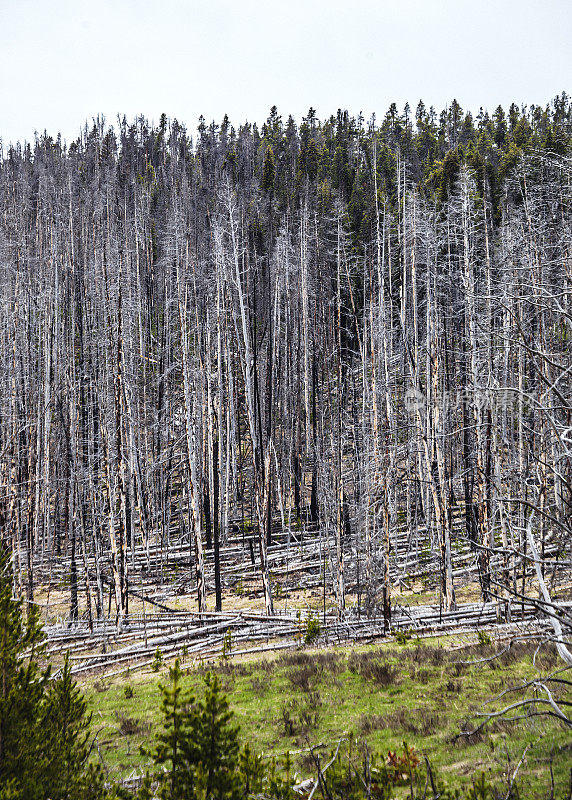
{"type": "Point", "coordinates": [374, 696]}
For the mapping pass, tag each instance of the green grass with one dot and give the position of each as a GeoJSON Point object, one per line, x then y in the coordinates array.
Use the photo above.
{"type": "Point", "coordinates": [385, 695]}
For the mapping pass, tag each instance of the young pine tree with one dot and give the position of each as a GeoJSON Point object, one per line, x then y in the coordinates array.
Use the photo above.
{"type": "Point", "coordinates": [22, 685]}
{"type": "Point", "coordinates": [44, 727]}
{"type": "Point", "coordinates": [217, 739]}
{"type": "Point", "coordinates": [197, 749]}
{"type": "Point", "coordinates": [176, 751]}
{"type": "Point", "coordinates": [250, 771]}
{"type": "Point", "coordinates": [65, 723]}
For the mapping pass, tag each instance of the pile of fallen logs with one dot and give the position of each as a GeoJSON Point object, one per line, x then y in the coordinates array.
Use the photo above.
{"type": "Point", "coordinates": [162, 589]}
{"type": "Point", "coordinates": [193, 637]}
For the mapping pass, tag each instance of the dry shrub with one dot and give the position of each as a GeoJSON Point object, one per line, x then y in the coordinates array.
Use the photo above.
{"type": "Point", "coordinates": [453, 687]}
{"type": "Point", "coordinates": [423, 676]}
{"type": "Point", "coordinates": [470, 739]}
{"type": "Point", "coordinates": [296, 659]}
{"type": "Point", "coordinates": [429, 655]}
{"type": "Point", "coordinates": [371, 722]}
{"type": "Point", "coordinates": [547, 658]}
{"type": "Point", "coordinates": [354, 661]}
{"type": "Point", "coordinates": [459, 669]}
{"type": "Point", "coordinates": [392, 653]}
{"type": "Point", "coordinates": [299, 717]}
{"type": "Point", "coordinates": [260, 684]}
{"type": "Point", "coordinates": [329, 661]}
{"type": "Point", "coordinates": [497, 725]}
{"type": "Point", "coordinates": [455, 669]}
{"type": "Point", "coordinates": [509, 656]}
{"type": "Point", "coordinates": [381, 673]}
{"type": "Point", "coordinates": [303, 677]}
{"type": "Point", "coordinates": [315, 663]}
{"type": "Point", "coordinates": [428, 722]}
{"type": "Point", "coordinates": [370, 667]}
{"type": "Point", "coordinates": [224, 668]}
{"type": "Point", "coordinates": [130, 726]}
{"type": "Point", "coordinates": [419, 721]}
{"type": "Point", "coordinates": [307, 763]}
{"type": "Point", "coordinates": [503, 655]}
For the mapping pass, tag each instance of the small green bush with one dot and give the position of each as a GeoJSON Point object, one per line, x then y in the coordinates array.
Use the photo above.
{"type": "Point", "coordinates": [313, 629]}
{"type": "Point", "coordinates": [157, 661]}
{"type": "Point", "coordinates": [484, 638]}
{"type": "Point", "coordinates": [227, 645]}
{"type": "Point", "coordinates": [402, 637]}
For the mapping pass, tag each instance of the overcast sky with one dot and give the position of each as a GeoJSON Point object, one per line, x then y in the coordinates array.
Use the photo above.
{"type": "Point", "coordinates": [62, 62]}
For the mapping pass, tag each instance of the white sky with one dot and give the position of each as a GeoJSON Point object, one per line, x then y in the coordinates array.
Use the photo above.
{"type": "Point", "coordinates": [65, 61]}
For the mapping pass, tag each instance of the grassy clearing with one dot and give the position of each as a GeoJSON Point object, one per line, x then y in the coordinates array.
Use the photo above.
{"type": "Point", "coordinates": [418, 692]}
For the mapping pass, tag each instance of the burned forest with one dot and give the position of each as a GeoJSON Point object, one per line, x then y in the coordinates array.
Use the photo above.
{"type": "Point", "coordinates": [258, 377]}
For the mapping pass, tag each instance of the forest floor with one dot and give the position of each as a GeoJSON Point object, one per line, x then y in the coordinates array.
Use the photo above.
{"type": "Point", "coordinates": [367, 687]}
{"type": "Point", "coordinates": [423, 692]}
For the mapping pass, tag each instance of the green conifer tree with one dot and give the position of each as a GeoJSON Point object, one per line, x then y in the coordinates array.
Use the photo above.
{"type": "Point", "coordinates": [217, 738]}
{"type": "Point", "coordinates": [22, 685]}
{"type": "Point", "coordinates": [175, 750]}
{"type": "Point", "coordinates": [268, 171]}
{"type": "Point", "coordinates": [65, 722]}
{"type": "Point", "coordinates": [197, 750]}
{"type": "Point", "coordinates": [250, 771]}
{"type": "Point", "coordinates": [44, 727]}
